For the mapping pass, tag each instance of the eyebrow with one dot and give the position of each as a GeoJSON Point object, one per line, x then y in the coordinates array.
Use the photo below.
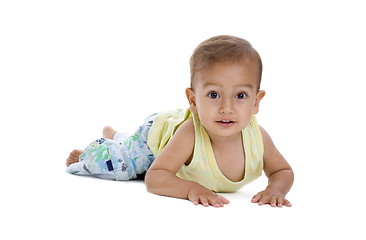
{"type": "Point", "coordinates": [247, 85]}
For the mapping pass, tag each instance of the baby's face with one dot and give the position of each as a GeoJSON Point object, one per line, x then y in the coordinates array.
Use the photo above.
{"type": "Point", "coordinates": [225, 96]}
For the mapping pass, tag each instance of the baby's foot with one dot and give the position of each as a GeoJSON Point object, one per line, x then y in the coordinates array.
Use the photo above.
{"type": "Point", "coordinates": [73, 157]}
{"type": "Point", "coordinates": [109, 132]}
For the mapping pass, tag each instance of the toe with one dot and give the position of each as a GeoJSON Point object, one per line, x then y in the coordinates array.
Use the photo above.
{"type": "Point", "coordinates": [68, 162]}
{"type": "Point", "coordinates": [76, 152]}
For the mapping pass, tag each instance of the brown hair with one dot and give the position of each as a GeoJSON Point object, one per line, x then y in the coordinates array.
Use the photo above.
{"type": "Point", "coordinates": [223, 48]}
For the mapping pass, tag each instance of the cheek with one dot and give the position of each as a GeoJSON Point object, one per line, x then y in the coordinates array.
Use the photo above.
{"type": "Point", "coordinates": [203, 105]}
{"type": "Point", "coordinates": [205, 114]}
{"type": "Point", "coordinates": [246, 112]}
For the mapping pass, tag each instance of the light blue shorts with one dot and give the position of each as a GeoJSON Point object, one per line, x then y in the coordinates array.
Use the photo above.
{"type": "Point", "coordinates": [123, 158]}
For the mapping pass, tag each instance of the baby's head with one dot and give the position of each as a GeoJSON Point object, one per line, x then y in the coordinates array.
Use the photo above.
{"type": "Point", "coordinates": [225, 80]}
{"type": "Point", "coordinates": [224, 49]}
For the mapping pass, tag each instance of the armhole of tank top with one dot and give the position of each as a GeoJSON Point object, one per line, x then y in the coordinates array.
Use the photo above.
{"type": "Point", "coordinates": [259, 134]}
{"type": "Point", "coordinates": [260, 145]}
{"type": "Point", "coordinates": [192, 163]}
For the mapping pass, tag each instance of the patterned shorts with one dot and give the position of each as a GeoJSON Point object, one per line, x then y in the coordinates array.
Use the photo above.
{"type": "Point", "coordinates": [123, 158]}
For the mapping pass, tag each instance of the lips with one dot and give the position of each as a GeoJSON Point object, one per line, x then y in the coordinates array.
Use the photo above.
{"type": "Point", "coordinates": [225, 122]}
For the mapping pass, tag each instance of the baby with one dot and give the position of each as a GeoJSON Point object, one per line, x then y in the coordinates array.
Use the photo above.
{"type": "Point", "coordinates": [214, 146]}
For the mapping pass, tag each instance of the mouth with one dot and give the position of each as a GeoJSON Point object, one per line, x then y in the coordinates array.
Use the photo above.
{"type": "Point", "coordinates": [225, 123]}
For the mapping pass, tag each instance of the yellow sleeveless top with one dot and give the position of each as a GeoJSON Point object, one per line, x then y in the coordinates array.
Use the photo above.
{"type": "Point", "coordinates": [203, 168]}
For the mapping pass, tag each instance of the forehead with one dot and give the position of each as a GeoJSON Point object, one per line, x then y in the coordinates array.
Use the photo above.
{"type": "Point", "coordinates": [228, 74]}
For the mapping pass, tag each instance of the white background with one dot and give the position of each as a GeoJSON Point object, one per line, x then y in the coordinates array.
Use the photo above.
{"type": "Point", "coordinates": [68, 68]}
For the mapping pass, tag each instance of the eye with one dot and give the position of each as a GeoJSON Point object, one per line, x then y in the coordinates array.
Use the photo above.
{"type": "Point", "coordinates": [213, 95]}
{"type": "Point", "coordinates": [241, 95]}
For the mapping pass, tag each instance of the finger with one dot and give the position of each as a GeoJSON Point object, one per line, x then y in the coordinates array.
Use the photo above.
{"type": "Point", "coordinates": [256, 198]}
{"type": "Point", "coordinates": [273, 202]}
{"type": "Point", "coordinates": [279, 202]}
{"type": "Point", "coordinates": [194, 200]}
{"type": "Point", "coordinates": [214, 201]}
{"type": "Point", "coordinates": [204, 201]}
{"type": "Point", "coordinates": [287, 203]}
{"type": "Point", "coordinates": [263, 200]}
{"type": "Point", "coordinates": [223, 200]}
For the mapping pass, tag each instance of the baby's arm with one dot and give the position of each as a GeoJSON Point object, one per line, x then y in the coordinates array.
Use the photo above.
{"type": "Point", "coordinates": [161, 177]}
{"type": "Point", "coordinates": [279, 173]}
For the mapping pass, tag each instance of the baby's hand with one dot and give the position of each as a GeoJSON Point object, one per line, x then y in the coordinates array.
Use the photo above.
{"type": "Point", "coordinates": [272, 197]}
{"type": "Point", "coordinates": [201, 195]}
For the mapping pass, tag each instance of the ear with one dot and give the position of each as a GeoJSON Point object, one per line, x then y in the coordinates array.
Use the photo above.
{"type": "Point", "coordinates": [191, 97]}
{"type": "Point", "coordinates": [258, 98]}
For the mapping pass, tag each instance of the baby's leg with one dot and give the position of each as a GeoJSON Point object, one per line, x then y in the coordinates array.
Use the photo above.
{"type": "Point", "coordinates": [102, 158]}
{"type": "Point", "coordinates": [136, 146]}
{"type": "Point", "coordinates": [73, 157]}
{"type": "Point", "coordinates": [116, 156]}
{"type": "Point", "coordinates": [108, 132]}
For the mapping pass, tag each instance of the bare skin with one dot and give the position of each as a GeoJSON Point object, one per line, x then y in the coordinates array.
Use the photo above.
{"type": "Point", "coordinates": [73, 157]}
{"type": "Point", "coordinates": [221, 93]}
{"type": "Point", "coordinates": [108, 132]}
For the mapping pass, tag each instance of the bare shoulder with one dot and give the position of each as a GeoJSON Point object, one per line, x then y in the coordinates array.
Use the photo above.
{"type": "Point", "coordinates": [273, 159]}
{"type": "Point", "coordinates": [186, 128]}
{"type": "Point", "coordinates": [184, 135]}
{"type": "Point", "coordinates": [267, 141]}
{"type": "Point", "coordinates": [182, 142]}
{"type": "Point", "coordinates": [178, 150]}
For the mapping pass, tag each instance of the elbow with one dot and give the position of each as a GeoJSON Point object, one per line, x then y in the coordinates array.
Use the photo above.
{"type": "Point", "coordinates": [153, 181]}
{"type": "Point", "coordinates": [149, 181]}
{"type": "Point", "coordinates": [156, 181]}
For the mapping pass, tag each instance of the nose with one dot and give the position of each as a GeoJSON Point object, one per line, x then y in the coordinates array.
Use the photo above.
{"type": "Point", "coordinates": [226, 107]}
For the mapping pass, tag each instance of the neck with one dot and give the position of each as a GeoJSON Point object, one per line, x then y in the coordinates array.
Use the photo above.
{"type": "Point", "coordinates": [227, 140]}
